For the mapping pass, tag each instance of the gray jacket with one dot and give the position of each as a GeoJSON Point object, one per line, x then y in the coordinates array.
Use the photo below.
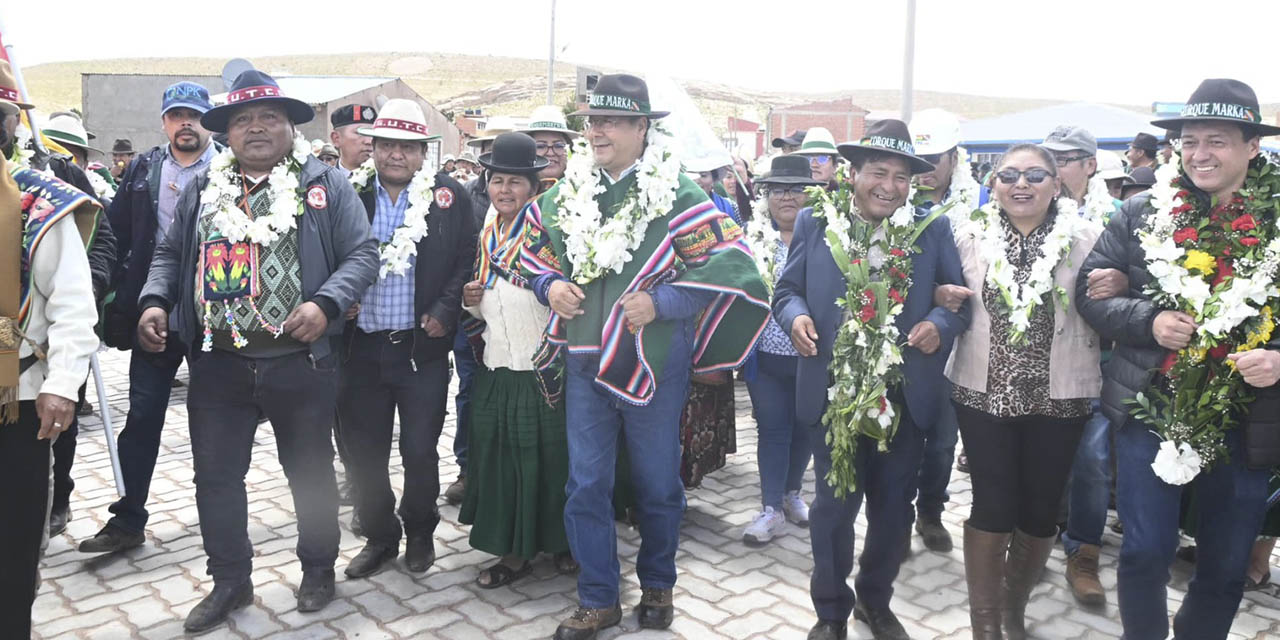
{"type": "Point", "coordinates": [338, 252]}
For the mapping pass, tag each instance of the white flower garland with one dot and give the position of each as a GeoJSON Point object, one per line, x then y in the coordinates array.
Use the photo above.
{"type": "Point", "coordinates": [593, 245]}
{"type": "Point", "coordinates": [231, 221]}
{"type": "Point", "coordinates": [965, 192]}
{"type": "Point", "coordinates": [101, 187]}
{"type": "Point", "coordinates": [396, 254]}
{"type": "Point", "coordinates": [1021, 300]}
{"type": "Point", "coordinates": [360, 175]}
{"type": "Point", "coordinates": [1098, 203]}
{"type": "Point", "coordinates": [1256, 282]}
{"type": "Point", "coordinates": [762, 239]}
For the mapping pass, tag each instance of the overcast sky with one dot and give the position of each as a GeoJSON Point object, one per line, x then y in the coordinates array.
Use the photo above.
{"type": "Point", "coordinates": [1123, 51]}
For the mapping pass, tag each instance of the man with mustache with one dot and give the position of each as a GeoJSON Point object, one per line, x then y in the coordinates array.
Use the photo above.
{"type": "Point", "coordinates": [398, 360]}
{"type": "Point", "coordinates": [265, 251]}
{"type": "Point", "coordinates": [142, 211]}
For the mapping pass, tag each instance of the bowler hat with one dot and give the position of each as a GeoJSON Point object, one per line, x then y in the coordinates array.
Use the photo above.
{"type": "Point", "coordinates": [251, 87]}
{"type": "Point", "coordinates": [514, 153]}
{"type": "Point", "coordinates": [1221, 100]}
{"type": "Point", "coordinates": [789, 169]}
{"type": "Point", "coordinates": [1145, 142]}
{"type": "Point", "coordinates": [887, 136]}
{"type": "Point", "coordinates": [620, 94]}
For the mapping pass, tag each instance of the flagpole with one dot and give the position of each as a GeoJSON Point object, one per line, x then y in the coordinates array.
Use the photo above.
{"type": "Point", "coordinates": [551, 58]}
{"type": "Point", "coordinates": [908, 62]}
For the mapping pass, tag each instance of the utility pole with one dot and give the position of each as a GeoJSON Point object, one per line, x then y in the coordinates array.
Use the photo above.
{"type": "Point", "coordinates": [908, 61]}
{"type": "Point", "coordinates": [551, 58]}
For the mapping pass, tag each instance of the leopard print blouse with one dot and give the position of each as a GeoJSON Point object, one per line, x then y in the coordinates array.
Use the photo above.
{"type": "Point", "coordinates": [1018, 376]}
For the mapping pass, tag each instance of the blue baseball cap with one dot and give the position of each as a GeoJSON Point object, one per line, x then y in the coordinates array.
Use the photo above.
{"type": "Point", "coordinates": [186, 94]}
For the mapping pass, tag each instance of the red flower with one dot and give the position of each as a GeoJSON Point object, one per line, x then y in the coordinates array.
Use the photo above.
{"type": "Point", "coordinates": [1186, 233]}
{"type": "Point", "coordinates": [1244, 223]}
{"type": "Point", "coordinates": [868, 313]}
{"type": "Point", "coordinates": [897, 297]}
{"type": "Point", "coordinates": [869, 295]}
{"type": "Point", "coordinates": [897, 252]}
{"type": "Point", "coordinates": [897, 273]}
{"type": "Point", "coordinates": [1223, 271]}
{"type": "Point", "coordinates": [1220, 352]}
{"type": "Point", "coordinates": [856, 261]}
{"type": "Point", "coordinates": [884, 404]}
{"type": "Point", "coordinates": [1168, 362]}
{"type": "Point", "coordinates": [1249, 241]}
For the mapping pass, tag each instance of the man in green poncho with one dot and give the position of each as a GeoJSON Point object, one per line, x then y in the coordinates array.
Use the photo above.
{"type": "Point", "coordinates": [648, 281]}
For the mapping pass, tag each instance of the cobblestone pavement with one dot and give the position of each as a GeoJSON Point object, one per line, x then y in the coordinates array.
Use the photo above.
{"type": "Point", "coordinates": [725, 589]}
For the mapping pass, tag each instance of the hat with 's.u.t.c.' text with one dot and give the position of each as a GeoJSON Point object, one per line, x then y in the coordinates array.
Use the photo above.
{"type": "Point", "coordinates": [252, 87]}
{"type": "Point", "coordinates": [1220, 100]}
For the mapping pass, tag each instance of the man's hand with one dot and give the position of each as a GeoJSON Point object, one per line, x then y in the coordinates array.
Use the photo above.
{"type": "Point", "coordinates": [153, 329]}
{"type": "Point", "coordinates": [472, 293]}
{"type": "Point", "coordinates": [1259, 367]}
{"type": "Point", "coordinates": [804, 336]}
{"type": "Point", "coordinates": [637, 306]}
{"type": "Point", "coordinates": [352, 312]}
{"type": "Point", "coordinates": [925, 337]}
{"type": "Point", "coordinates": [951, 296]}
{"type": "Point", "coordinates": [565, 297]}
{"type": "Point", "coordinates": [1173, 329]}
{"type": "Point", "coordinates": [433, 327]}
{"type": "Point", "coordinates": [306, 323]}
{"type": "Point", "coordinates": [1107, 283]}
{"type": "Point", "coordinates": [56, 414]}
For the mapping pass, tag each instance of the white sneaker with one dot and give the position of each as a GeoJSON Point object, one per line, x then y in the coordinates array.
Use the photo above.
{"type": "Point", "coordinates": [796, 510]}
{"type": "Point", "coordinates": [766, 526]}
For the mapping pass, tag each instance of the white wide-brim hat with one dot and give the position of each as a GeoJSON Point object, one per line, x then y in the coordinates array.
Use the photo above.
{"type": "Point", "coordinates": [818, 141]}
{"type": "Point", "coordinates": [399, 119]}
{"type": "Point", "coordinates": [548, 118]}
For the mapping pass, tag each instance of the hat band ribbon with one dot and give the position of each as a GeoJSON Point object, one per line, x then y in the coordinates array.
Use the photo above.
{"type": "Point", "coordinates": [1221, 110]}
{"type": "Point", "coordinates": [400, 125]}
{"type": "Point", "coordinates": [64, 136]}
{"type": "Point", "coordinates": [893, 144]}
{"type": "Point", "coordinates": [253, 93]}
{"type": "Point", "coordinates": [818, 144]}
{"type": "Point", "coordinates": [616, 103]}
{"type": "Point", "coordinates": [548, 124]}
{"type": "Point", "coordinates": [9, 94]}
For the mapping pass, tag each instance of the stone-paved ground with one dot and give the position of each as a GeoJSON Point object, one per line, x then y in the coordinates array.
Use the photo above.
{"type": "Point", "coordinates": [725, 589]}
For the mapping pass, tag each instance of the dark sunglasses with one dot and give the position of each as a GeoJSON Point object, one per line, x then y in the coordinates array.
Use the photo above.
{"type": "Point", "coordinates": [1034, 175]}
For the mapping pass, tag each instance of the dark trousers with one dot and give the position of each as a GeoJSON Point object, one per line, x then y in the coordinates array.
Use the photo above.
{"type": "Point", "coordinates": [150, 383]}
{"type": "Point", "coordinates": [378, 383]}
{"type": "Point", "coordinates": [1232, 503]}
{"type": "Point", "coordinates": [298, 395]}
{"type": "Point", "coordinates": [939, 457]}
{"type": "Point", "coordinates": [1019, 469]}
{"type": "Point", "coordinates": [887, 480]}
{"type": "Point", "coordinates": [64, 455]}
{"type": "Point", "coordinates": [24, 475]}
{"type": "Point", "coordinates": [464, 363]}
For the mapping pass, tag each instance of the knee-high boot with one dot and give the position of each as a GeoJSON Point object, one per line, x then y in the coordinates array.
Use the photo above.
{"type": "Point", "coordinates": [984, 559]}
{"type": "Point", "coordinates": [1027, 557]}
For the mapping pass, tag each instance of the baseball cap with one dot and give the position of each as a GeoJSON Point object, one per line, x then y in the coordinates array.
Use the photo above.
{"type": "Point", "coordinates": [1071, 138]}
{"type": "Point", "coordinates": [186, 94]}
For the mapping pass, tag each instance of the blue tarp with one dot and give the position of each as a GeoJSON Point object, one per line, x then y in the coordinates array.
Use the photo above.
{"type": "Point", "coordinates": [1114, 127]}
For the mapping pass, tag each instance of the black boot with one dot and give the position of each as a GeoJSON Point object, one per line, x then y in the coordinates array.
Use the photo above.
{"type": "Point", "coordinates": [218, 605]}
{"type": "Point", "coordinates": [316, 590]}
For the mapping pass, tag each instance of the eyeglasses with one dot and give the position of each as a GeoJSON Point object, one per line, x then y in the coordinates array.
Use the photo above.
{"type": "Point", "coordinates": [819, 160]}
{"type": "Point", "coordinates": [1063, 161]}
{"type": "Point", "coordinates": [558, 147]}
{"type": "Point", "coordinates": [796, 191]}
{"type": "Point", "coordinates": [1034, 175]}
{"type": "Point", "coordinates": [605, 123]}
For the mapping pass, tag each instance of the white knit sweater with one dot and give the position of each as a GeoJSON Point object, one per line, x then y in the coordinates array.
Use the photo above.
{"type": "Point", "coordinates": [62, 314]}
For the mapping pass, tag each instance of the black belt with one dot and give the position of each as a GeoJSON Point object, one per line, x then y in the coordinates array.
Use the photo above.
{"type": "Point", "coordinates": [26, 363]}
{"type": "Point", "coordinates": [394, 337]}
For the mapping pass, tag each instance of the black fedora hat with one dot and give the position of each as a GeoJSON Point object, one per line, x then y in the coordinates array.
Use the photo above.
{"type": "Point", "coordinates": [795, 139]}
{"type": "Point", "coordinates": [1221, 100]}
{"type": "Point", "coordinates": [887, 136]}
{"type": "Point", "coordinates": [514, 153]}
{"type": "Point", "coordinates": [250, 87]}
{"type": "Point", "coordinates": [789, 169]}
{"type": "Point", "coordinates": [1140, 179]}
{"type": "Point", "coordinates": [620, 94]}
{"type": "Point", "coordinates": [1145, 142]}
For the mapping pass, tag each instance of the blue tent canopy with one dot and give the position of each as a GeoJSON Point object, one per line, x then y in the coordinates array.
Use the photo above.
{"type": "Point", "coordinates": [1114, 127]}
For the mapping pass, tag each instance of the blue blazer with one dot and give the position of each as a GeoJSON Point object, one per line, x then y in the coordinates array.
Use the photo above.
{"type": "Point", "coordinates": [810, 284]}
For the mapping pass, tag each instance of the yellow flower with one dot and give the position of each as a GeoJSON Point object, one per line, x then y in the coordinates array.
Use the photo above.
{"type": "Point", "coordinates": [1200, 261]}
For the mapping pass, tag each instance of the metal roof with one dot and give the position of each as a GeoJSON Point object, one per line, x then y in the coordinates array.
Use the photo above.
{"type": "Point", "coordinates": [1107, 123]}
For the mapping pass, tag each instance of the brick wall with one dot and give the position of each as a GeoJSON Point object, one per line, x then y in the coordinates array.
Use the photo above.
{"type": "Point", "coordinates": [845, 120]}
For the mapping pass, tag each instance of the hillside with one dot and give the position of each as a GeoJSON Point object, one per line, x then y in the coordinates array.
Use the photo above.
{"type": "Point", "coordinates": [506, 86]}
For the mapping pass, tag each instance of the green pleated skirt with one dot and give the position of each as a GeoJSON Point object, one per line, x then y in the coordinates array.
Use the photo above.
{"type": "Point", "coordinates": [517, 466]}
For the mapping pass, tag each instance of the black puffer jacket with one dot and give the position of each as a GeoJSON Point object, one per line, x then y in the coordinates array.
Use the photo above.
{"type": "Point", "coordinates": [1128, 319]}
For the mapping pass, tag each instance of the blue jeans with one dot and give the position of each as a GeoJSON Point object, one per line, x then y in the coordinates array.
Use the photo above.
{"type": "Point", "coordinates": [888, 481]}
{"type": "Point", "coordinates": [595, 418]}
{"type": "Point", "coordinates": [782, 449]}
{"type": "Point", "coordinates": [464, 362]}
{"type": "Point", "coordinates": [939, 457]}
{"type": "Point", "coordinates": [1232, 501]}
{"type": "Point", "coordinates": [150, 383]}
{"type": "Point", "coordinates": [1089, 488]}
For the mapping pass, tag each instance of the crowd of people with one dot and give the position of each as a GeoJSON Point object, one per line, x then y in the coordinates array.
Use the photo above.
{"type": "Point", "coordinates": [1058, 309]}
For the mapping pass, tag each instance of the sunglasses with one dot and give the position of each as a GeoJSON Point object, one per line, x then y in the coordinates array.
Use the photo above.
{"type": "Point", "coordinates": [819, 160]}
{"type": "Point", "coordinates": [1035, 175]}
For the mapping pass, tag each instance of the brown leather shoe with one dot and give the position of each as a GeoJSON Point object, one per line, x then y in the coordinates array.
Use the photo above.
{"type": "Point", "coordinates": [585, 623]}
{"type": "Point", "coordinates": [454, 494]}
{"type": "Point", "coordinates": [655, 610]}
{"type": "Point", "coordinates": [1082, 575]}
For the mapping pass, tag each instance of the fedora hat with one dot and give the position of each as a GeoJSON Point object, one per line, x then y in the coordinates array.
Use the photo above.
{"type": "Point", "coordinates": [1220, 100]}
{"type": "Point", "coordinates": [514, 152]}
{"type": "Point", "coordinates": [122, 145]}
{"type": "Point", "coordinates": [67, 129]}
{"type": "Point", "coordinates": [1145, 142]}
{"type": "Point", "coordinates": [10, 100]}
{"type": "Point", "coordinates": [887, 136]}
{"type": "Point", "coordinates": [548, 118]}
{"type": "Point", "coordinates": [400, 119]}
{"type": "Point", "coordinates": [253, 86]}
{"type": "Point", "coordinates": [818, 141]}
{"type": "Point", "coordinates": [620, 94]}
{"type": "Point", "coordinates": [493, 127]}
{"type": "Point", "coordinates": [789, 169]}
{"type": "Point", "coordinates": [794, 139]}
